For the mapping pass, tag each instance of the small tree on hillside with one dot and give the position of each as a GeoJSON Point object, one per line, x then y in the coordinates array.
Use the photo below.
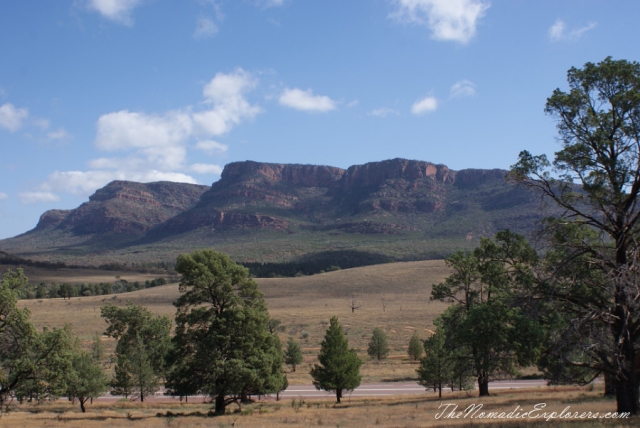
{"type": "Point", "coordinates": [293, 354]}
{"type": "Point", "coordinates": [339, 367]}
{"type": "Point", "coordinates": [97, 348]}
{"type": "Point", "coordinates": [378, 346]}
{"type": "Point", "coordinates": [415, 348]}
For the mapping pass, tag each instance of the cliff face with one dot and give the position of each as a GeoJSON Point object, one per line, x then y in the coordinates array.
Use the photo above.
{"type": "Point", "coordinates": [124, 207]}
{"type": "Point", "coordinates": [376, 173]}
{"type": "Point", "coordinates": [397, 197]}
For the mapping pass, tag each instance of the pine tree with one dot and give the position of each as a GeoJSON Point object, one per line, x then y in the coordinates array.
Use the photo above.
{"type": "Point", "coordinates": [436, 368]}
{"type": "Point", "coordinates": [339, 367]}
{"type": "Point", "coordinates": [293, 354]}
{"type": "Point", "coordinates": [143, 343]}
{"type": "Point", "coordinates": [222, 346]}
{"type": "Point", "coordinates": [378, 346]}
{"type": "Point", "coordinates": [415, 348]}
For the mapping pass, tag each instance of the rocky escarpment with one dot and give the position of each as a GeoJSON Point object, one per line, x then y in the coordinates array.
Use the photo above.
{"type": "Point", "coordinates": [377, 173]}
{"type": "Point", "coordinates": [126, 208]}
{"type": "Point", "coordinates": [276, 196]}
{"type": "Point", "coordinates": [397, 199]}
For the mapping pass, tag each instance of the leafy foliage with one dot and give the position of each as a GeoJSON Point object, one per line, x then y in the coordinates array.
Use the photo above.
{"type": "Point", "coordinates": [143, 342]}
{"type": "Point", "coordinates": [378, 346]}
{"type": "Point", "coordinates": [86, 379]}
{"type": "Point", "coordinates": [293, 354]}
{"type": "Point", "coordinates": [32, 364]}
{"type": "Point", "coordinates": [595, 180]}
{"type": "Point", "coordinates": [436, 368]}
{"type": "Point", "coordinates": [489, 321]}
{"type": "Point", "coordinates": [222, 344]}
{"type": "Point", "coordinates": [415, 348]}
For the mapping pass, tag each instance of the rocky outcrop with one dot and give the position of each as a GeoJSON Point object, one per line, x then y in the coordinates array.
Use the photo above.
{"type": "Point", "coordinates": [52, 218]}
{"type": "Point", "coordinates": [124, 207]}
{"type": "Point", "coordinates": [376, 173]}
{"type": "Point", "coordinates": [293, 174]}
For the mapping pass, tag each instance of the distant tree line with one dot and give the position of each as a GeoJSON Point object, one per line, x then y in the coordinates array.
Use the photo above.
{"type": "Point", "coordinates": [67, 291]}
{"type": "Point", "coordinates": [325, 261]}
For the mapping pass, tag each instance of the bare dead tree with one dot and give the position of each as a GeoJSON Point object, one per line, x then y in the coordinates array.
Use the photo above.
{"type": "Point", "coordinates": [353, 305]}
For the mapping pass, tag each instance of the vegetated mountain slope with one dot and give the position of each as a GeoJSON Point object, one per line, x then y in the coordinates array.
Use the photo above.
{"type": "Point", "coordinates": [401, 209]}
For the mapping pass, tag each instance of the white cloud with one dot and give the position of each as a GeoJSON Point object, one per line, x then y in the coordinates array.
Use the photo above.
{"type": "Point", "coordinates": [202, 168]}
{"type": "Point", "coordinates": [205, 27]}
{"type": "Point", "coordinates": [558, 31]}
{"type": "Point", "coordinates": [115, 10]}
{"type": "Point", "coordinates": [153, 147]}
{"type": "Point", "coordinates": [125, 130]}
{"type": "Point", "coordinates": [454, 20]}
{"type": "Point", "coordinates": [84, 183]}
{"type": "Point", "coordinates": [269, 3]}
{"type": "Point", "coordinates": [425, 105]}
{"type": "Point", "coordinates": [41, 123]}
{"type": "Point", "coordinates": [225, 93]}
{"type": "Point", "coordinates": [12, 118]}
{"type": "Point", "coordinates": [3, 196]}
{"type": "Point", "coordinates": [306, 101]}
{"type": "Point", "coordinates": [463, 88]}
{"type": "Point", "coordinates": [211, 147]}
{"type": "Point", "coordinates": [27, 198]}
{"type": "Point", "coordinates": [59, 134]}
{"type": "Point", "coordinates": [383, 112]}
{"type": "Point", "coordinates": [352, 103]}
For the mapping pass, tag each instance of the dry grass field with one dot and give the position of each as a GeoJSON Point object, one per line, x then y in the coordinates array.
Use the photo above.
{"type": "Point", "coordinates": [423, 410]}
{"type": "Point", "coordinates": [394, 297]}
{"type": "Point", "coordinates": [81, 276]}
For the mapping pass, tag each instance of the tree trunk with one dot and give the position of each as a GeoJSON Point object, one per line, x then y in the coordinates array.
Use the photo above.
{"type": "Point", "coordinates": [244, 398]}
{"type": "Point", "coordinates": [141, 396]}
{"type": "Point", "coordinates": [440, 390]}
{"type": "Point", "coordinates": [483, 384]}
{"type": "Point", "coordinates": [609, 385]}
{"type": "Point", "coordinates": [82, 404]}
{"type": "Point", "coordinates": [220, 405]}
{"type": "Point", "coordinates": [338, 394]}
{"type": "Point", "coordinates": [627, 379]}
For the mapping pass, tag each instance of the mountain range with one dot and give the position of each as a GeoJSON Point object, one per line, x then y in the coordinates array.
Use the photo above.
{"type": "Point", "coordinates": [264, 212]}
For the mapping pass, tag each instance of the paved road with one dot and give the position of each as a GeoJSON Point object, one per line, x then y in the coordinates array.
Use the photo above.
{"type": "Point", "coordinates": [396, 388]}
{"type": "Point", "coordinates": [368, 390]}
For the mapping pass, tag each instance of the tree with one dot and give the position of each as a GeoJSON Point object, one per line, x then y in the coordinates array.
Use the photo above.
{"type": "Point", "coordinates": [436, 368]}
{"type": "Point", "coordinates": [86, 380]}
{"type": "Point", "coordinates": [595, 180]}
{"type": "Point", "coordinates": [415, 348]}
{"type": "Point", "coordinates": [97, 348]}
{"type": "Point", "coordinates": [339, 367]}
{"type": "Point", "coordinates": [32, 363]}
{"type": "Point", "coordinates": [222, 346]}
{"type": "Point", "coordinates": [143, 343]}
{"type": "Point", "coordinates": [378, 346]}
{"type": "Point", "coordinates": [489, 318]}
{"type": "Point", "coordinates": [293, 354]}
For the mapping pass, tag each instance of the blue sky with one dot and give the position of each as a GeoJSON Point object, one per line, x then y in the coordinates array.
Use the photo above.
{"type": "Point", "coordinates": [148, 90]}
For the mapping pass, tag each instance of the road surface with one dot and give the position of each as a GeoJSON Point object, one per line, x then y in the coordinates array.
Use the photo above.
{"type": "Point", "coordinates": [367, 390]}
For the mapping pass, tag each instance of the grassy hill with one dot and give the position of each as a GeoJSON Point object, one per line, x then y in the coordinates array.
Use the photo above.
{"type": "Point", "coordinates": [304, 305]}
